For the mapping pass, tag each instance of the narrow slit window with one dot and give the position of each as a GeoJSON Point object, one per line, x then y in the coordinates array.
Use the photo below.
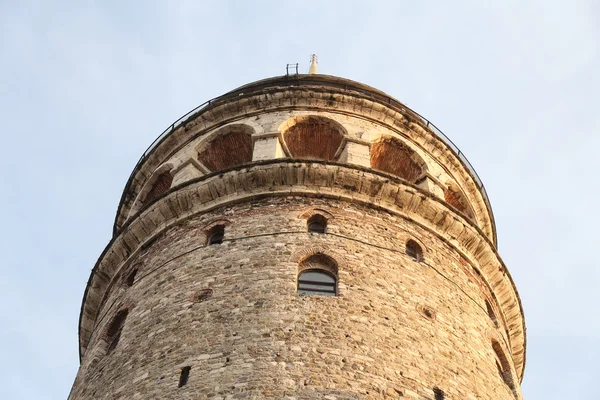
{"type": "Point", "coordinates": [504, 369]}
{"type": "Point", "coordinates": [216, 235]}
{"type": "Point", "coordinates": [414, 250]}
{"type": "Point", "coordinates": [113, 334]}
{"type": "Point", "coordinates": [316, 283]}
{"type": "Point", "coordinates": [317, 224]}
{"type": "Point", "coordinates": [491, 313]}
{"type": "Point", "coordinates": [131, 277]}
{"type": "Point", "coordinates": [184, 376]}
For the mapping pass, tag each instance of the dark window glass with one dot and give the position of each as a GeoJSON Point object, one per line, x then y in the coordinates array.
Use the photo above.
{"type": "Point", "coordinates": [316, 282]}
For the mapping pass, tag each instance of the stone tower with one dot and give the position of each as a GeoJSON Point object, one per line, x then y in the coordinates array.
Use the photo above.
{"type": "Point", "coordinates": [302, 237]}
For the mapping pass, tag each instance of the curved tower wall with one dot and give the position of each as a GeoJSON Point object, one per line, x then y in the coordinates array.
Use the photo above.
{"type": "Point", "coordinates": [167, 314]}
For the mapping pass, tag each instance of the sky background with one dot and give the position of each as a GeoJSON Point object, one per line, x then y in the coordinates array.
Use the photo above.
{"type": "Point", "coordinates": [86, 86]}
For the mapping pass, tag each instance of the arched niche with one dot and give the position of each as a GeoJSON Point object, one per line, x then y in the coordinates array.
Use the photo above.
{"type": "Point", "coordinates": [162, 183]}
{"type": "Point", "coordinates": [228, 147]}
{"type": "Point", "coordinates": [312, 137]}
{"type": "Point", "coordinates": [391, 155]}
{"type": "Point", "coordinates": [320, 261]}
{"type": "Point", "coordinates": [456, 198]}
{"type": "Point", "coordinates": [159, 183]}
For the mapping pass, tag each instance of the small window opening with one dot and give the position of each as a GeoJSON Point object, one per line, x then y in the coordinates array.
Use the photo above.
{"type": "Point", "coordinates": [491, 313]}
{"type": "Point", "coordinates": [203, 295]}
{"type": "Point", "coordinates": [113, 334]}
{"type": "Point", "coordinates": [316, 282]}
{"type": "Point", "coordinates": [131, 277]}
{"type": "Point", "coordinates": [503, 366]}
{"type": "Point", "coordinates": [438, 393]}
{"type": "Point", "coordinates": [184, 376]}
{"type": "Point", "coordinates": [317, 224]}
{"type": "Point", "coordinates": [216, 234]}
{"type": "Point", "coordinates": [414, 250]}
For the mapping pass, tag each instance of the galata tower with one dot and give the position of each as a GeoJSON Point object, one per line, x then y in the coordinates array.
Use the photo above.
{"type": "Point", "coordinates": [302, 237]}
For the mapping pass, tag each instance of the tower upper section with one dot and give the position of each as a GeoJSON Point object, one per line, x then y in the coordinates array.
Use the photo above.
{"type": "Point", "coordinates": [365, 127]}
{"type": "Point", "coordinates": [319, 137]}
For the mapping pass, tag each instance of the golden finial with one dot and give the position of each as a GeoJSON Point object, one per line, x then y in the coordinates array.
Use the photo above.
{"type": "Point", "coordinates": [313, 65]}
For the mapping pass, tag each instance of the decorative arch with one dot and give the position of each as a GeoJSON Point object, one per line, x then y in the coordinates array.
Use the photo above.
{"type": "Point", "coordinates": [314, 211]}
{"type": "Point", "coordinates": [456, 198]}
{"type": "Point", "coordinates": [319, 261]}
{"type": "Point", "coordinates": [299, 257]}
{"type": "Point", "coordinates": [391, 155]}
{"type": "Point", "coordinates": [158, 184]}
{"type": "Point", "coordinates": [312, 136]}
{"type": "Point", "coordinates": [316, 219]}
{"type": "Point", "coordinates": [227, 147]}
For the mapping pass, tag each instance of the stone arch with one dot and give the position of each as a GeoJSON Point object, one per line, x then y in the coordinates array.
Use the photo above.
{"type": "Point", "coordinates": [316, 211]}
{"type": "Point", "coordinates": [457, 199]}
{"type": "Point", "coordinates": [391, 155]}
{"type": "Point", "coordinates": [159, 183]}
{"type": "Point", "coordinates": [311, 136]}
{"type": "Point", "coordinates": [227, 147]}
{"type": "Point", "coordinates": [214, 222]}
{"type": "Point", "coordinates": [304, 254]}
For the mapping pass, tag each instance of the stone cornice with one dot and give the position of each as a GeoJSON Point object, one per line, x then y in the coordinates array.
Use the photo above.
{"type": "Point", "coordinates": [356, 100]}
{"type": "Point", "coordinates": [284, 177]}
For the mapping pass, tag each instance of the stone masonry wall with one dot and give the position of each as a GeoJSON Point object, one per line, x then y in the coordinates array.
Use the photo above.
{"type": "Point", "coordinates": [397, 329]}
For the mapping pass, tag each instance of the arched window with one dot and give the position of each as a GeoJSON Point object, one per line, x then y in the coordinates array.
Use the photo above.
{"type": "Point", "coordinates": [394, 157]}
{"type": "Point", "coordinates": [456, 198]}
{"type": "Point", "coordinates": [414, 250]}
{"type": "Point", "coordinates": [317, 224]}
{"type": "Point", "coordinates": [504, 367]}
{"type": "Point", "coordinates": [113, 334]}
{"type": "Point", "coordinates": [313, 137]}
{"type": "Point", "coordinates": [160, 186]}
{"type": "Point", "coordinates": [215, 235]}
{"type": "Point", "coordinates": [316, 282]}
{"type": "Point", "coordinates": [231, 147]}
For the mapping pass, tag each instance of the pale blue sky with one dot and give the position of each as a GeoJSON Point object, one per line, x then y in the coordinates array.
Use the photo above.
{"type": "Point", "coordinates": [86, 86]}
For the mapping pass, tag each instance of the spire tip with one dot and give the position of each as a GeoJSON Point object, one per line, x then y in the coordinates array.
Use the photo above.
{"type": "Point", "coordinates": [313, 65]}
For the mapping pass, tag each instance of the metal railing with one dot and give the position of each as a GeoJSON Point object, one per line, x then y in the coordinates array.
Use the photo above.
{"type": "Point", "coordinates": [308, 80]}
